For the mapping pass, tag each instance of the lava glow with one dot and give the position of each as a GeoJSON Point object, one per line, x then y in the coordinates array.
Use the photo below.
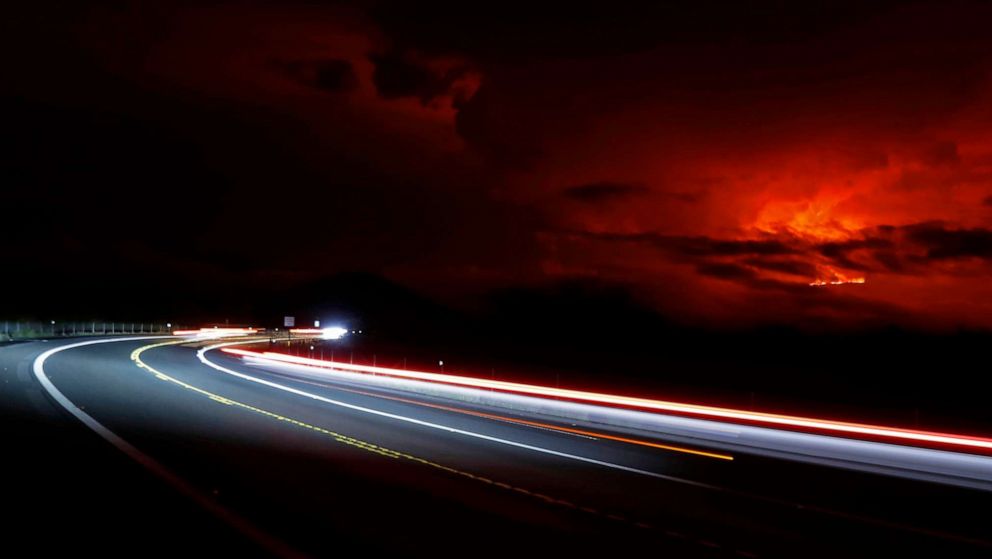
{"type": "Point", "coordinates": [822, 283]}
{"type": "Point", "coordinates": [813, 220]}
{"type": "Point", "coordinates": [833, 277]}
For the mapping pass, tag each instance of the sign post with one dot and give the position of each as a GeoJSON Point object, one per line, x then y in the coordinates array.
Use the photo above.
{"type": "Point", "coordinates": [289, 322]}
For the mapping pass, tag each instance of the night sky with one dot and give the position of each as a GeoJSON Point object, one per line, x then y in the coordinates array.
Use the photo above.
{"type": "Point", "coordinates": [716, 161]}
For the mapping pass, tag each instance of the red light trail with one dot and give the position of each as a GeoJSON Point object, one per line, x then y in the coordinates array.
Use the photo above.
{"type": "Point", "coordinates": [896, 434]}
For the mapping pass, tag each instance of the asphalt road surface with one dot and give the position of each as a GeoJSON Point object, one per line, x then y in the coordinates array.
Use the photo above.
{"type": "Point", "coordinates": [132, 445]}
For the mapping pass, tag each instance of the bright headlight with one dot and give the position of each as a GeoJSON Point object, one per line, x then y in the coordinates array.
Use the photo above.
{"type": "Point", "coordinates": [334, 333]}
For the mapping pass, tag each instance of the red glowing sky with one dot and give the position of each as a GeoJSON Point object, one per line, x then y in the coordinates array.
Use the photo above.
{"type": "Point", "coordinates": [716, 165]}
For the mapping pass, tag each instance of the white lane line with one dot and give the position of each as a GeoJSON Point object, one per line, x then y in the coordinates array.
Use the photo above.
{"type": "Point", "coordinates": [85, 418]}
{"type": "Point", "coordinates": [152, 465]}
{"type": "Point", "coordinates": [201, 354]}
{"type": "Point", "coordinates": [342, 385]}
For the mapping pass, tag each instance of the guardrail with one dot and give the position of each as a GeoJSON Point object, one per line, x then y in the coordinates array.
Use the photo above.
{"type": "Point", "coordinates": [11, 330]}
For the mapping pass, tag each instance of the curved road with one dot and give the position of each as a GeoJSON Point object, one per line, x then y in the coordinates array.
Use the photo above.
{"type": "Point", "coordinates": [339, 466]}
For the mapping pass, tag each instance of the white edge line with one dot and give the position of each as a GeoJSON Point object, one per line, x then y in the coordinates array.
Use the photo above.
{"type": "Point", "coordinates": [201, 354]}
{"type": "Point", "coordinates": [152, 465]}
{"type": "Point", "coordinates": [94, 425]}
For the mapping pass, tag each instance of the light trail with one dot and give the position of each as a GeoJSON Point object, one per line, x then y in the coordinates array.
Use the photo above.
{"type": "Point", "coordinates": [201, 354]}
{"type": "Point", "coordinates": [216, 332]}
{"type": "Point", "coordinates": [540, 425]}
{"type": "Point", "coordinates": [330, 333]}
{"type": "Point", "coordinates": [379, 449]}
{"type": "Point", "coordinates": [823, 425]}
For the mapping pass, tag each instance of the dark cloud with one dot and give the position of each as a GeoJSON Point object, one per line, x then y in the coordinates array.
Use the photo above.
{"type": "Point", "coordinates": [840, 253]}
{"type": "Point", "coordinates": [942, 243]}
{"type": "Point", "coordinates": [400, 74]}
{"type": "Point", "coordinates": [910, 250]}
{"type": "Point", "coordinates": [890, 260]}
{"type": "Point", "coordinates": [697, 246]}
{"type": "Point", "coordinates": [708, 246]}
{"type": "Point", "coordinates": [395, 76]}
{"type": "Point", "coordinates": [332, 75]}
{"type": "Point", "coordinates": [605, 191]}
{"type": "Point", "coordinates": [746, 275]}
{"type": "Point", "coordinates": [792, 267]}
{"type": "Point", "coordinates": [907, 249]}
{"type": "Point", "coordinates": [726, 271]}
{"type": "Point", "coordinates": [836, 248]}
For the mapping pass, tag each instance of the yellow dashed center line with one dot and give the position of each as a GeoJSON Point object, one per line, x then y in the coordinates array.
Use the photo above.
{"type": "Point", "coordinates": [357, 443]}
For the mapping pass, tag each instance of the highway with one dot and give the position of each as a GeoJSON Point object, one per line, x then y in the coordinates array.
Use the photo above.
{"type": "Point", "coordinates": [272, 462]}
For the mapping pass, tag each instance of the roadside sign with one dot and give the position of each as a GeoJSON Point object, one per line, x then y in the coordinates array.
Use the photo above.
{"type": "Point", "coordinates": [289, 321]}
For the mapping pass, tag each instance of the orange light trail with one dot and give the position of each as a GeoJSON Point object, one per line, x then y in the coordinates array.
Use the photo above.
{"type": "Point", "coordinates": [549, 426]}
{"type": "Point", "coordinates": [583, 432]}
{"type": "Point", "coordinates": [825, 425]}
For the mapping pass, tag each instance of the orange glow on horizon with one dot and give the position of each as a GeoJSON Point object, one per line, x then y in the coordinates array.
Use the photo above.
{"type": "Point", "coordinates": [837, 278]}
